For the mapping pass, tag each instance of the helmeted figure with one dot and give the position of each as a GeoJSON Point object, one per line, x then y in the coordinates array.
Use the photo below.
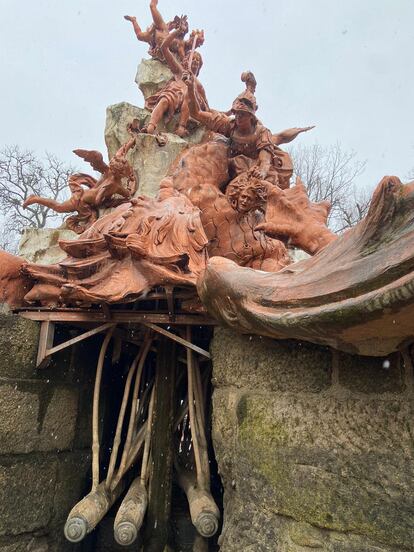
{"type": "Point", "coordinates": [252, 147]}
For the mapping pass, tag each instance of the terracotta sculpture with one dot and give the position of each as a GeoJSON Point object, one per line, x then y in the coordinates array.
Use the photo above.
{"type": "Point", "coordinates": [356, 295]}
{"type": "Point", "coordinates": [253, 148]}
{"type": "Point", "coordinates": [291, 216]}
{"type": "Point", "coordinates": [88, 195]}
{"type": "Point", "coordinates": [159, 30]}
{"type": "Point", "coordinates": [140, 245]}
{"type": "Point", "coordinates": [229, 199]}
{"type": "Point", "coordinates": [173, 98]}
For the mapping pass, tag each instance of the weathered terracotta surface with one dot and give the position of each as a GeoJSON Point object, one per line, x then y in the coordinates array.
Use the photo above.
{"type": "Point", "coordinates": [166, 240]}
{"type": "Point", "coordinates": [357, 294]}
{"type": "Point", "coordinates": [173, 98]}
{"type": "Point", "coordinates": [140, 245]}
{"type": "Point", "coordinates": [89, 194]}
{"type": "Point", "coordinates": [13, 284]}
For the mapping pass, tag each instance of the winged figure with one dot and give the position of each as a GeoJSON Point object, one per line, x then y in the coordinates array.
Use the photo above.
{"type": "Point", "coordinates": [89, 194]}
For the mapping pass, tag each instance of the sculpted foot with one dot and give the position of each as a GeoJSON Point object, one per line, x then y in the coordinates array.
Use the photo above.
{"type": "Point", "coordinates": [151, 128]}
{"type": "Point", "coordinates": [181, 131]}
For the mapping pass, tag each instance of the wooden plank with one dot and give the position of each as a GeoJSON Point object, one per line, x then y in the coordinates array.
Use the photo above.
{"type": "Point", "coordinates": [169, 291]}
{"type": "Point", "coordinates": [46, 336]}
{"type": "Point", "coordinates": [160, 484]}
{"type": "Point", "coordinates": [120, 317]}
{"type": "Point", "coordinates": [79, 338]}
{"type": "Point", "coordinates": [178, 339]}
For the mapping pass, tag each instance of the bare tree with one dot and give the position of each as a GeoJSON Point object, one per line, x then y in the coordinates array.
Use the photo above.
{"type": "Point", "coordinates": [22, 174]}
{"type": "Point", "coordinates": [329, 174]}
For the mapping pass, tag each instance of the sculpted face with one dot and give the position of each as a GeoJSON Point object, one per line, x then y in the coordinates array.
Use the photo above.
{"type": "Point", "coordinates": [195, 66]}
{"type": "Point", "coordinates": [247, 201]}
{"type": "Point", "coordinates": [244, 120]}
{"type": "Point", "coordinates": [119, 167]}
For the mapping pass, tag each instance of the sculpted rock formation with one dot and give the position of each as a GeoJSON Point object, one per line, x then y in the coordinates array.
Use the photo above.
{"type": "Point", "coordinates": [150, 162]}
{"type": "Point", "coordinates": [41, 245]}
{"type": "Point", "coordinates": [152, 75]}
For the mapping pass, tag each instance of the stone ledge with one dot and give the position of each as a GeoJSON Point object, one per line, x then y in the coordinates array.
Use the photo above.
{"type": "Point", "coordinates": [268, 365]}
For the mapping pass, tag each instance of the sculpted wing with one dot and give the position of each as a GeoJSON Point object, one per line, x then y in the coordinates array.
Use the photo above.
{"type": "Point", "coordinates": [94, 158]}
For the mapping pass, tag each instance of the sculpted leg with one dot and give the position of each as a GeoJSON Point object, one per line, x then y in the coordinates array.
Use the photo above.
{"type": "Point", "coordinates": [65, 207]}
{"type": "Point", "coordinates": [159, 111]}
{"type": "Point", "coordinates": [184, 116]}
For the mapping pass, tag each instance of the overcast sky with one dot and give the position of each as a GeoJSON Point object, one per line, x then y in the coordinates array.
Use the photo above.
{"type": "Point", "coordinates": [345, 65]}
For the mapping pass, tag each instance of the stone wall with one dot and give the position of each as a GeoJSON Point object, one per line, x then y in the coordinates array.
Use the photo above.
{"type": "Point", "coordinates": [315, 447]}
{"type": "Point", "coordinates": [44, 438]}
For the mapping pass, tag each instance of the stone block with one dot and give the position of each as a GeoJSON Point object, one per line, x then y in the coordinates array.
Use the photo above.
{"type": "Point", "coordinates": [152, 75]}
{"type": "Point", "coordinates": [371, 374]}
{"type": "Point", "coordinates": [36, 417]}
{"type": "Point", "coordinates": [18, 346]}
{"type": "Point", "coordinates": [268, 365]}
{"type": "Point", "coordinates": [344, 465]}
{"type": "Point", "coordinates": [26, 489]}
{"type": "Point", "coordinates": [40, 245]}
{"type": "Point", "coordinates": [72, 484]}
{"type": "Point", "coordinates": [59, 422]}
{"type": "Point", "coordinates": [25, 544]}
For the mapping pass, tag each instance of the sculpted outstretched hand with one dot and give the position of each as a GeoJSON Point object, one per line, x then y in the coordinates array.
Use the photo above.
{"type": "Point", "coordinates": [259, 172]}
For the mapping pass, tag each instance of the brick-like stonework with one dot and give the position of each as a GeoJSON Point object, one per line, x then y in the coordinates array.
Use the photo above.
{"type": "Point", "coordinates": [44, 438]}
{"type": "Point", "coordinates": [315, 447]}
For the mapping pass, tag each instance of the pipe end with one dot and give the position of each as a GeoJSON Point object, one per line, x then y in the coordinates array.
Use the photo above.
{"type": "Point", "coordinates": [76, 529]}
{"type": "Point", "coordinates": [125, 533]}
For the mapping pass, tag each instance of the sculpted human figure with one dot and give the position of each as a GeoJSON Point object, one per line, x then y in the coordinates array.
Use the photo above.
{"type": "Point", "coordinates": [158, 31]}
{"type": "Point", "coordinates": [89, 194]}
{"type": "Point", "coordinates": [253, 148]}
{"type": "Point", "coordinates": [173, 98]}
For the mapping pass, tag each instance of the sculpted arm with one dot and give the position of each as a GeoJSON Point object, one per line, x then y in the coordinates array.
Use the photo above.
{"type": "Point", "coordinates": [289, 134]}
{"type": "Point", "coordinates": [204, 117]}
{"type": "Point", "coordinates": [170, 58]}
{"type": "Point", "coordinates": [157, 17]}
{"type": "Point", "coordinates": [143, 36]}
{"type": "Point", "coordinates": [123, 150]}
{"type": "Point", "coordinates": [262, 169]}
